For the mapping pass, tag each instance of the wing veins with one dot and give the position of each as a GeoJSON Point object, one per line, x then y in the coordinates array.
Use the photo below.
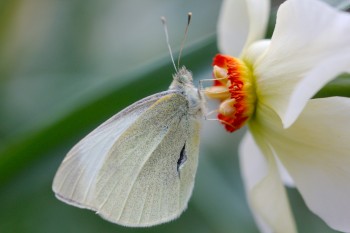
{"type": "Point", "coordinates": [65, 178]}
{"type": "Point", "coordinates": [141, 168]}
{"type": "Point", "coordinates": [91, 180]}
{"type": "Point", "coordinates": [137, 108]}
{"type": "Point", "coordinates": [144, 203]}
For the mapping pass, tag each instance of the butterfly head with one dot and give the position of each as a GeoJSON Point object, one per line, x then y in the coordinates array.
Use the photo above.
{"type": "Point", "coordinates": [182, 80]}
{"type": "Point", "coordinates": [183, 76]}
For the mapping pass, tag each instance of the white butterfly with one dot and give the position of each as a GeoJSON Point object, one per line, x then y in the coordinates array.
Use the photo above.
{"type": "Point", "coordinates": [138, 168]}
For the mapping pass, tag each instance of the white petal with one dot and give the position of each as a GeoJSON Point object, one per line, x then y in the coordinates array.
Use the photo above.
{"type": "Point", "coordinates": [309, 47]}
{"type": "Point", "coordinates": [240, 23]}
{"type": "Point", "coordinates": [266, 194]}
{"type": "Point", "coordinates": [253, 168]}
{"type": "Point", "coordinates": [314, 81]}
{"type": "Point", "coordinates": [316, 152]}
{"type": "Point", "coordinates": [255, 51]}
{"type": "Point", "coordinates": [253, 163]}
{"type": "Point", "coordinates": [285, 176]}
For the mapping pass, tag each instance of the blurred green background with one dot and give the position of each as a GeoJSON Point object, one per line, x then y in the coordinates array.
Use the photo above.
{"type": "Point", "coordinates": [65, 67]}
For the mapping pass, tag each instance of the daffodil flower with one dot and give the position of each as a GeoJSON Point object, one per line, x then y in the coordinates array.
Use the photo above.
{"type": "Point", "coordinates": [291, 139]}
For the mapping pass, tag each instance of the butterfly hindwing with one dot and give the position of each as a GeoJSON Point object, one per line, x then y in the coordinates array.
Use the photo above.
{"type": "Point", "coordinates": [146, 187]}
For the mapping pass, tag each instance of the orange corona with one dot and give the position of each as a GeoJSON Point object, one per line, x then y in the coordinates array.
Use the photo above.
{"type": "Point", "coordinates": [234, 88]}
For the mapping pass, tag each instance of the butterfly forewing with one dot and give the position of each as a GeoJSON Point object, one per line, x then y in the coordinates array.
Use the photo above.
{"type": "Point", "coordinates": [72, 182]}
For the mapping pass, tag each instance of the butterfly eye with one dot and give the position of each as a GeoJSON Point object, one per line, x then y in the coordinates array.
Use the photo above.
{"type": "Point", "coordinates": [182, 159]}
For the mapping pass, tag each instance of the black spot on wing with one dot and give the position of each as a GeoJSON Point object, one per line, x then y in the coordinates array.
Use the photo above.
{"type": "Point", "coordinates": [182, 158]}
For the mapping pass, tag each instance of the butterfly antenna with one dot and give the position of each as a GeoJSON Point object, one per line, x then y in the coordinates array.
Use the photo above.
{"type": "Point", "coordinates": [184, 39]}
{"type": "Point", "coordinates": [167, 40]}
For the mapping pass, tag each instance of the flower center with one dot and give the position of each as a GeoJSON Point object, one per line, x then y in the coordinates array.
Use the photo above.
{"type": "Point", "coordinates": [234, 88]}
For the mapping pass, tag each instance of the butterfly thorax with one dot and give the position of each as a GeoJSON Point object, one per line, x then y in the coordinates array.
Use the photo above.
{"type": "Point", "coordinates": [183, 83]}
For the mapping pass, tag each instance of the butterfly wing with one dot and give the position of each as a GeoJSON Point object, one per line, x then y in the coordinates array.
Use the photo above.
{"type": "Point", "coordinates": [76, 174]}
{"type": "Point", "coordinates": [138, 174]}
